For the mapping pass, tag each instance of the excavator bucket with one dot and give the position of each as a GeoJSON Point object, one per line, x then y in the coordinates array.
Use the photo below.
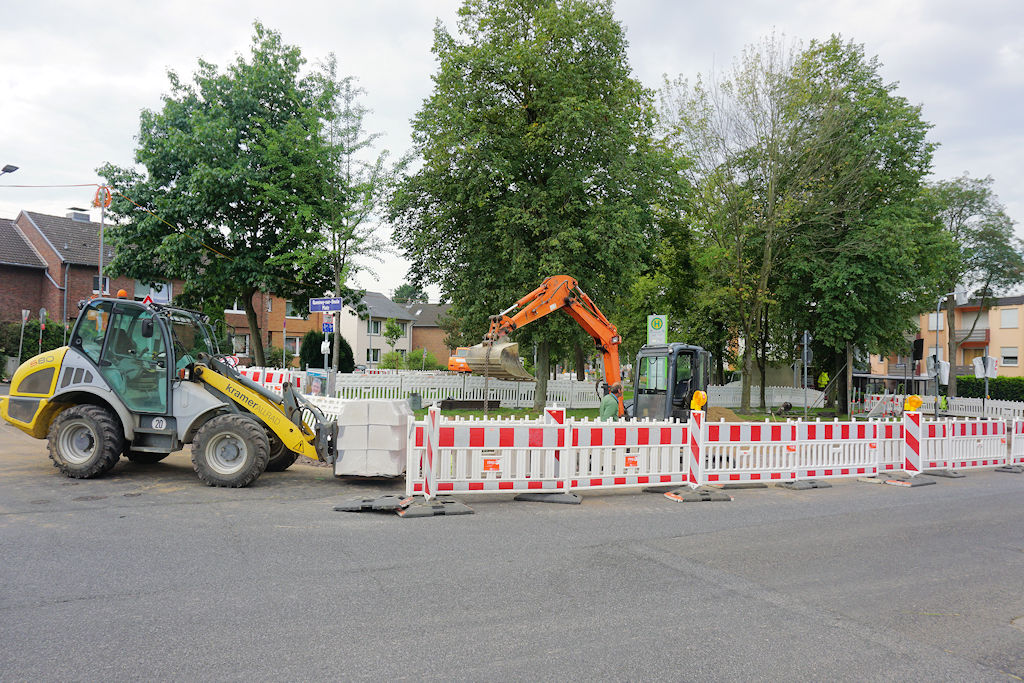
{"type": "Point", "coordinates": [502, 362]}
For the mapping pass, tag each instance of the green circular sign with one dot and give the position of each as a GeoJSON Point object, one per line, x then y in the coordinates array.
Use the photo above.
{"type": "Point", "coordinates": [656, 323]}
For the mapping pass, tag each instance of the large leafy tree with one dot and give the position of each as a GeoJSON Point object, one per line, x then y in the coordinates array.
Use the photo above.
{"type": "Point", "coordinates": [537, 159]}
{"type": "Point", "coordinates": [985, 256]}
{"type": "Point", "coordinates": [867, 257]}
{"type": "Point", "coordinates": [232, 195]}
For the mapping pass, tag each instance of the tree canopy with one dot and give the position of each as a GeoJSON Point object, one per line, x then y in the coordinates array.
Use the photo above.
{"type": "Point", "coordinates": [232, 198]}
{"type": "Point", "coordinates": [538, 159]}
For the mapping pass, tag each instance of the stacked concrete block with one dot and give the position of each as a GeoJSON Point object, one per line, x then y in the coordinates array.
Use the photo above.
{"type": "Point", "coordinates": [372, 438]}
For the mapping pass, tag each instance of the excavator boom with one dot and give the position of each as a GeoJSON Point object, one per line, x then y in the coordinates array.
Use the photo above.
{"type": "Point", "coordinates": [558, 292]}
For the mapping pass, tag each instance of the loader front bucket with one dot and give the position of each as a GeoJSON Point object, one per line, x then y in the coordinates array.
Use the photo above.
{"type": "Point", "coordinates": [502, 362]}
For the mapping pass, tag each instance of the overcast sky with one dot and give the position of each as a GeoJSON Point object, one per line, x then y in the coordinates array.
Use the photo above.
{"type": "Point", "coordinates": [74, 76]}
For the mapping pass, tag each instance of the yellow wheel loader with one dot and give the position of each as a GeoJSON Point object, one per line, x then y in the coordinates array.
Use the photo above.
{"type": "Point", "coordinates": [141, 380]}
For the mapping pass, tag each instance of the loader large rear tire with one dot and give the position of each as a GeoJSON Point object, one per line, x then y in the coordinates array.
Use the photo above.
{"type": "Point", "coordinates": [280, 457]}
{"type": "Point", "coordinates": [85, 441]}
{"type": "Point", "coordinates": [230, 450]}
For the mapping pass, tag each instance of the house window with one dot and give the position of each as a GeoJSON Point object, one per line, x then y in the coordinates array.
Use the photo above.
{"type": "Point", "coordinates": [96, 285]}
{"type": "Point", "coordinates": [403, 326]}
{"type": "Point", "coordinates": [240, 344]}
{"type": "Point", "coordinates": [373, 327]}
{"type": "Point", "coordinates": [372, 355]}
{"type": "Point", "coordinates": [270, 304]}
{"type": "Point", "coordinates": [235, 308]}
{"type": "Point", "coordinates": [1009, 355]}
{"type": "Point", "coordinates": [937, 352]}
{"type": "Point", "coordinates": [291, 345]}
{"type": "Point", "coordinates": [1008, 318]}
{"type": "Point", "coordinates": [292, 311]}
{"type": "Point", "coordinates": [931, 321]}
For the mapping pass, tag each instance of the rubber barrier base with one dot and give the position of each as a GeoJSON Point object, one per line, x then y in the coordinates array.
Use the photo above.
{"type": "Point", "coordinates": [903, 479]}
{"type": "Point", "coordinates": [1015, 469]}
{"type": "Point", "coordinates": [742, 485]}
{"type": "Point", "coordinates": [688, 495]}
{"type": "Point", "coordinates": [664, 488]}
{"type": "Point", "coordinates": [380, 504]}
{"type": "Point", "coordinates": [439, 506]}
{"type": "Point", "coordinates": [948, 474]}
{"type": "Point", "coordinates": [559, 498]}
{"type": "Point", "coordinates": [804, 485]}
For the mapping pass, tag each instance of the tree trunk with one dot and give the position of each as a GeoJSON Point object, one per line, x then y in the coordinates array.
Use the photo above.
{"type": "Point", "coordinates": [255, 337]}
{"type": "Point", "coordinates": [581, 373]}
{"type": "Point", "coordinates": [951, 346]}
{"type": "Point", "coordinates": [748, 372]}
{"type": "Point", "coordinates": [542, 371]}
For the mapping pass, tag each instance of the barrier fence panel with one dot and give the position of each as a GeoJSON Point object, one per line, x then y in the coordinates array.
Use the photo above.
{"type": "Point", "coordinates": [1017, 445]}
{"type": "Point", "coordinates": [973, 443]}
{"type": "Point", "coordinates": [555, 454]}
{"type": "Point", "coordinates": [623, 454]}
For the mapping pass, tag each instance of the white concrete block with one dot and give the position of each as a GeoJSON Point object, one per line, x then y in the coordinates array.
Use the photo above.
{"type": "Point", "coordinates": [387, 438]}
{"type": "Point", "coordinates": [353, 413]}
{"type": "Point", "coordinates": [350, 461]}
{"type": "Point", "coordinates": [395, 413]}
{"type": "Point", "coordinates": [352, 437]}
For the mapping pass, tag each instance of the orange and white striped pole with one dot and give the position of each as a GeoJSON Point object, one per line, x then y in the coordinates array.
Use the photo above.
{"type": "Point", "coordinates": [695, 436]}
{"type": "Point", "coordinates": [912, 435]}
{"type": "Point", "coordinates": [430, 452]}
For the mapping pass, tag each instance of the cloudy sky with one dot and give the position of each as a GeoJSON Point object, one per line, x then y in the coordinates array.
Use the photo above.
{"type": "Point", "coordinates": [74, 76]}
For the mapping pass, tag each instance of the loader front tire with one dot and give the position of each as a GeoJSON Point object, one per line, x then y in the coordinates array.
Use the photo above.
{"type": "Point", "coordinates": [85, 441]}
{"type": "Point", "coordinates": [230, 450]}
{"type": "Point", "coordinates": [280, 457]}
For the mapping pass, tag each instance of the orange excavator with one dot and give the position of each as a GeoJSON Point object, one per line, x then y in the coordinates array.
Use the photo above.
{"type": "Point", "coordinates": [501, 360]}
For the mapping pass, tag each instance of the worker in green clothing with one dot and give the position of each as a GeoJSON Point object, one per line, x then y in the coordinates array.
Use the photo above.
{"type": "Point", "coordinates": [610, 402]}
{"type": "Point", "coordinates": [822, 380]}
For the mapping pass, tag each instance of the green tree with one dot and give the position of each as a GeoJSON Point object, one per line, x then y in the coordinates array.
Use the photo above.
{"type": "Point", "coordinates": [421, 359]}
{"type": "Point", "coordinates": [408, 293]}
{"type": "Point", "coordinates": [867, 257]}
{"type": "Point", "coordinates": [985, 256]}
{"type": "Point", "coordinates": [362, 178]}
{"type": "Point", "coordinates": [392, 332]}
{"type": "Point", "coordinates": [538, 158]}
{"type": "Point", "coordinates": [311, 357]}
{"type": "Point", "coordinates": [232, 199]}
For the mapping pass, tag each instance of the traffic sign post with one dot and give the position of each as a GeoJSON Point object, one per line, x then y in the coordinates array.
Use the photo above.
{"type": "Point", "coordinates": [25, 313]}
{"type": "Point", "coordinates": [657, 329]}
{"type": "Point", "coordinates": [328, 328]}
{"type": "Point", "coordinates": [42, 326]}
{"type": "Point", "coordinates": [326, 304]}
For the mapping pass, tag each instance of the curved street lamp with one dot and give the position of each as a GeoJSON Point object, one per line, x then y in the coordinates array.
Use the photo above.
{"type": "Point", "coordinates": [9, 168]}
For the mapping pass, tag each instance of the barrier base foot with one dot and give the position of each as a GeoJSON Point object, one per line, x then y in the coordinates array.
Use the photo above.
{"type": "Point", "coordinates": [443, 505]}
{"type": "Point", "coordinates": [948, 474]}
{"type": "Point", "coordinates": [688, 495]}
{"type": "Point", "coordinates": [664, 488]}
{"type": "Point", "coordinates": [559, 498]}
{"type": "Point", "coordinates": [380, 504]}
{"type": "Point", "coordinates": [804, 484]}
{"type": "Point", "coordinates": [741, 485]}
{"type": "Point", "coordinates": [904, 479]}
{"type": "Point", "coordinates": [1015, 469]}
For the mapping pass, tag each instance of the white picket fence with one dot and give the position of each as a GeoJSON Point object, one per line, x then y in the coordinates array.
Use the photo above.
{"type": "Point", "coordinates": [729, 396]}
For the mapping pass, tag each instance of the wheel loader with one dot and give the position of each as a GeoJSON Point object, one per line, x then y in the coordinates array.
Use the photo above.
{"type": "Point", "coordinates": [143, 379]}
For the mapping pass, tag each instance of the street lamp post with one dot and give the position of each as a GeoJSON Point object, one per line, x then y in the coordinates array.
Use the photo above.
{"type": "Point", "coordinates": [9, 168]}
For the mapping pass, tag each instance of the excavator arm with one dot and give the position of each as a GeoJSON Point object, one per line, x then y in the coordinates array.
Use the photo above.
{"type": "Point", "coordinates": [557, 292]}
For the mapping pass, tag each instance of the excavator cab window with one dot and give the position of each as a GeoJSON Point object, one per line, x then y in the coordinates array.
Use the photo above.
{"type": "Point", "coordinates": [651, 387]}
{"type": "Point", "coordinates": [683, 379]}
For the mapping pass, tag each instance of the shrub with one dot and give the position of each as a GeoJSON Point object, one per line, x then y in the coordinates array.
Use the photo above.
{"type": "Point", "coordinates": [999, 388]}
{"type": "Point", "coordinates": [310, 356]}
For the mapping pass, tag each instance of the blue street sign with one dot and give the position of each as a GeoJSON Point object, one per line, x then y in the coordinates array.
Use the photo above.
{"type": "Point", "coordinates": [328, 328]}
{"type": "Point", "coordinates": [325, 304]}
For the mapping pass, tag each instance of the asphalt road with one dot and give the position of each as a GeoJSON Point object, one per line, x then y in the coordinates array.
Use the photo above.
{"type": "Point", "coordinates": [148, 575]}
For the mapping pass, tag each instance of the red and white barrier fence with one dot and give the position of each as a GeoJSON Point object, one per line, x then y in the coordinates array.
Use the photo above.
{"type": "Point", "coordinates": [555, 454]}
{"type": "Point", "coordinates": [1017, 450]}
{"type": "Point", "coordinates": [274, 379]}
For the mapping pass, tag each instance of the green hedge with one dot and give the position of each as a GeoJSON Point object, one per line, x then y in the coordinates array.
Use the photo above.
{"type": "Point", "coordinates": [999, 388]}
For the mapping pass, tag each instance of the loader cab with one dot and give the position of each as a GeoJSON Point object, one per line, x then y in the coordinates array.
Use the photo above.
{"type": "Point", "coordinates": [138, 349]}
{"type": "Point", "coordinates": [667, 375]}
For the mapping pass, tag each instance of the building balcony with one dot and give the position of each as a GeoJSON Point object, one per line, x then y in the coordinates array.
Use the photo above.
{"type": "Point", "coordinates": [979, 337]}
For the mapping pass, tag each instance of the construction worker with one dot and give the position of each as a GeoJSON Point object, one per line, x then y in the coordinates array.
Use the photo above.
{"type": "Point", "coordinates": [822, 381]}
{"type": "Point", "coordinates": [610, 402]}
